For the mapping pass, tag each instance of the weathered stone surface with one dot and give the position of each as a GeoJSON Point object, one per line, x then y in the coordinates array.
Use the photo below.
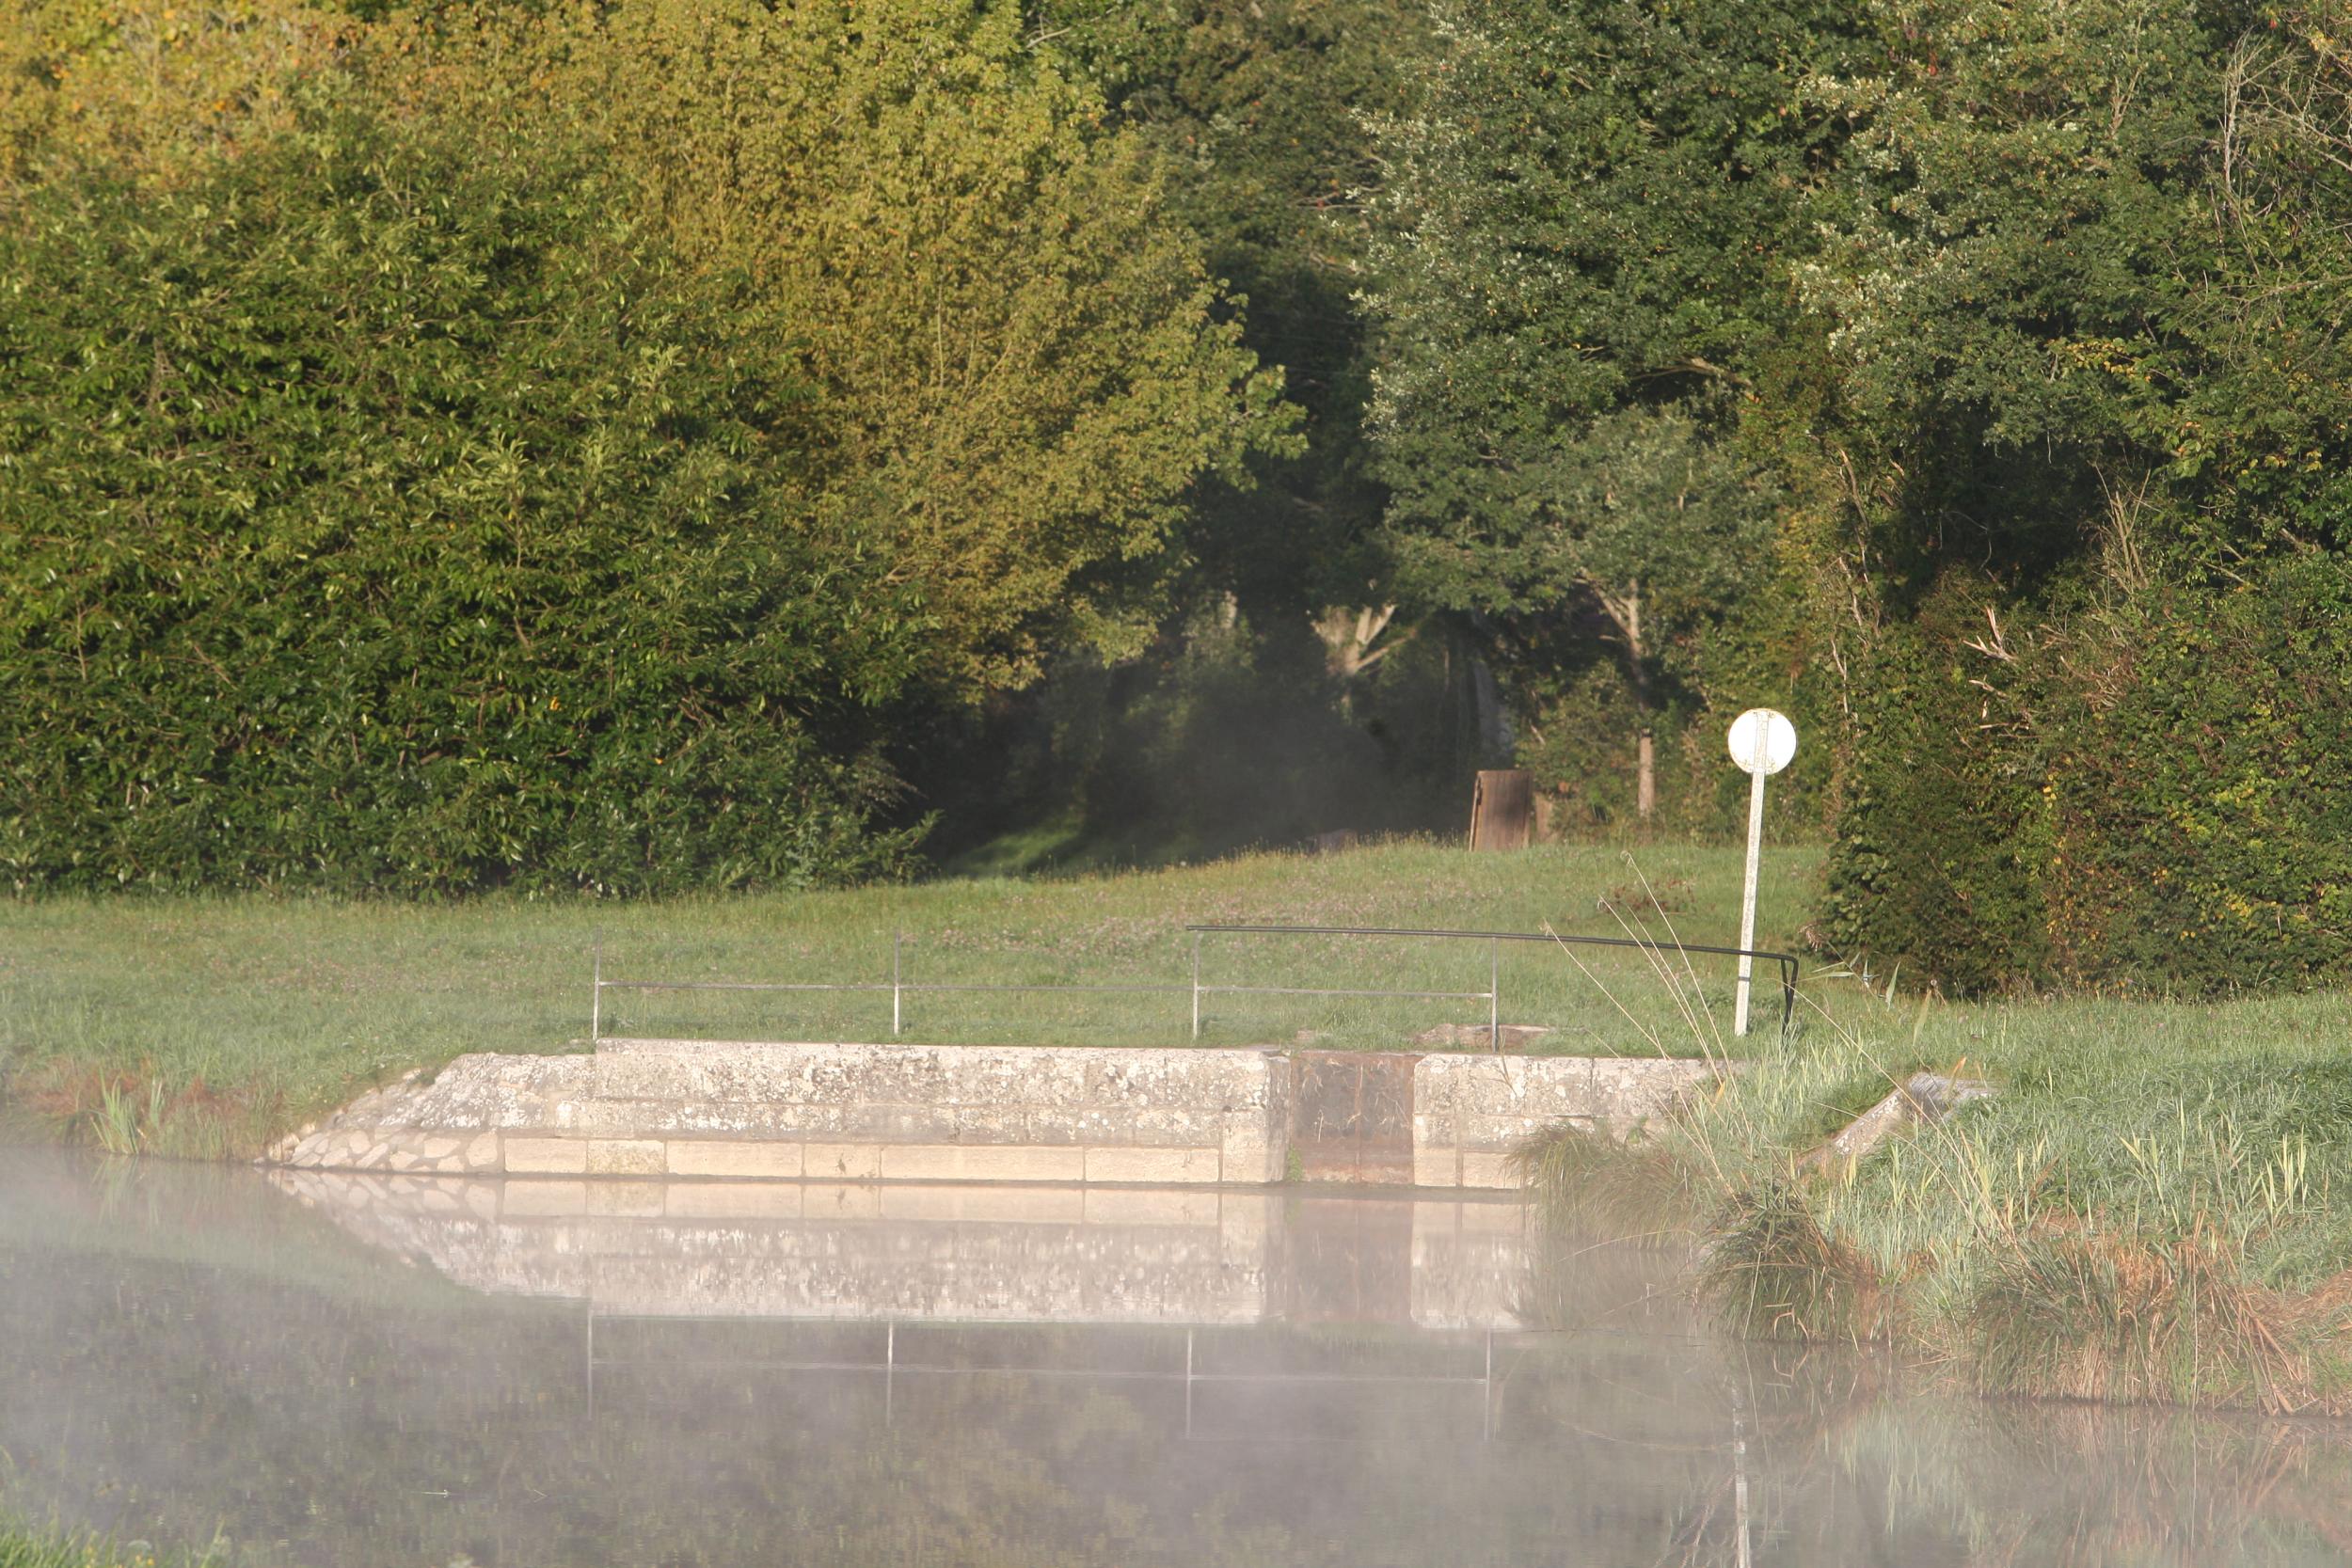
{"type": "Point", "coordinates": [842, 1162]}
{"type": "Point", "coordinates": [1470, 1112]}
{"type": "Point", "coordinates": [1488, 1168]}
{"type": "Point", "coordinates": [546, 1156]}
{"type": "Point", "coordinates": [864, 1112]}
{"type": "Point", "coordinates": [1162, 1165]}
{"type": "Point", "coordinates": [728, 1157]}
{"type": "Point", "coordinates": [1925, 1097]}
{"type": "Point", "coordinates": [627, 1157]}
{"type": "Point", "coordinates": [981, 1163]}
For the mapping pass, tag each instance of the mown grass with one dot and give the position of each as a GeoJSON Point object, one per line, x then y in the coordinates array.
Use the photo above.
{"type": "Point", "coordinates": [2157, 1204]}
{"type": "Point", "coordinates": [200, 1026]}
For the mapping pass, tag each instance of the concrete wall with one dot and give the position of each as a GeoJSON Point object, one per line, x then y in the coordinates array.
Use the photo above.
{"type": "Point", "coordinates": [851, 1113]}
{"type": "Point", "coordinates": [714, 1110]}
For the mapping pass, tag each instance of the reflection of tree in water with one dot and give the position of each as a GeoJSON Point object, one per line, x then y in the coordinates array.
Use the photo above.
{"type": "Point", "coordinates": [1845, 1464]}
{"type": "Point", "coordinates": [2102, 1486]}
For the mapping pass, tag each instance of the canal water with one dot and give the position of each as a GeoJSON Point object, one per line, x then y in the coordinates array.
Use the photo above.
{"type": "Point", "coordinates": [346, 1371]}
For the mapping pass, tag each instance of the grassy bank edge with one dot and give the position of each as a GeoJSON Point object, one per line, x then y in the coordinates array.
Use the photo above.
{"type": "Point", "coordinates": [24, 1547]}
{"type": "Point", "coordinates": [2221, 1285]}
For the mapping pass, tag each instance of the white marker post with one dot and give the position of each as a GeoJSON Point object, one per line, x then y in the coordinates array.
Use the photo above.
{"type": "Point", "coordinates": [1762, 742]}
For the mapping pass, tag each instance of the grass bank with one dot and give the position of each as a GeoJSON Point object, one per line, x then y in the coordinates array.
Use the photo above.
{"type": "Point", "coordinates": [2156, 1204]}
{"type": "Point", "coordinates": [201, 1026]}
{"type": "Point", "coordinates": [24, 1547]}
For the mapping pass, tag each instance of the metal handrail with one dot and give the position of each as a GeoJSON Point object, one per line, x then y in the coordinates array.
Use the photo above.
{"type": "Point", "coordinates": [1787, 962]}
{"type": "Point", "coordinates": [898, 984]}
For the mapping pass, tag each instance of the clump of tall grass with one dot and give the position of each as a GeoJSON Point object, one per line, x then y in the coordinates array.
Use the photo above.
{"type": "Point", "coordinates": [1581, 1179]}
{"type": "Point", "coordinates": [25, 1549]}
{"type": "Point", "coordinates": [136, 1110]}
{"type": "Point", "coordinates": [2128, 1318]}
{"type": "Point", "coordinates": [1771, 1271]}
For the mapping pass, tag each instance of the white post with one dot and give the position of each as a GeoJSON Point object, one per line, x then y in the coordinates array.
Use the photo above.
{"type": "Point", "coordinates": [1747, 899]}
{"type": "Point", "coordinates": [1762, 742]}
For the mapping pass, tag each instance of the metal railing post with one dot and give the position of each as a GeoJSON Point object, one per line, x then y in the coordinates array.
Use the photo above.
{"type": "Point", "coordinates": [895, 938]}
{"type": "Point", "coordinates": [1195, 985]}
{"type": "Point", "coordinates": [1494, 997]}
{"type": "Point", "coordinates": [595, 994]}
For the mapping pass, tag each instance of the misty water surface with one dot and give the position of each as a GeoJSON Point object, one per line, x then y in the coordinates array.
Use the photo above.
{"type": "Point", "coordinates": [334, 1373]}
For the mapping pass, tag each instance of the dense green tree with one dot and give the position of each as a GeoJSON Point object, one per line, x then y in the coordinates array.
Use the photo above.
{"type": "Point", "coordinates": [1285, 691]}
{"type": "Point", "coordinates": [151, 85]}
{"type": "Point", "coordinates": [1260, 111]}
{"type": "Point", "coordinates": [2086, 315]}
{"type": "Point", "coordinates": [2010, 287]}
{"type": "Point", "coordinates": [1023, 363]}
{"type": "Point", "coordinates": [1590, 222]}
{"type": "Point", "coordinates": [1643, 518]}
{"type": "Point", "coordinates": [385, 512]}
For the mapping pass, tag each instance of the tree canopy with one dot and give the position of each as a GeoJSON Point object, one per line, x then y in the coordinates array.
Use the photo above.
{"type": "Point", "coordinates": [607, 445]}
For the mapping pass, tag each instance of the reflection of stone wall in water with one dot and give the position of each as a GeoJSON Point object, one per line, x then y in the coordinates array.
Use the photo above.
{"type": "Point", "coordinates": [188, 1353]}
{"type": "Point", "coordinates": [968, 1253]}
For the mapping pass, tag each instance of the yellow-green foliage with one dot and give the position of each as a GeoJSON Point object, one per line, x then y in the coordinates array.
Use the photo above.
{"type": "Point", "coordinates": [1020, 360]}
{"type": "Point", "coordinates": [531, 446]}
{"type": "Point", "coordinates": [145, 85]}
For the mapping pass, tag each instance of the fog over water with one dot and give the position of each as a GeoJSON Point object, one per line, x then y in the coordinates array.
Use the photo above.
{"type": "Point", "coordinates": [346, 1371]}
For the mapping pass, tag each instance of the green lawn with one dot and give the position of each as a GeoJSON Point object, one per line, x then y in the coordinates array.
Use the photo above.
{"type": "Point", "coordinates": [280, 1007]}
{"type": "Point", "coordinates": [290, 1005]}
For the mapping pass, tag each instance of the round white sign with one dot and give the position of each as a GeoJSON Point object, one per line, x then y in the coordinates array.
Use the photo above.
{"type": "Point", "coordinates": [1762, 741]}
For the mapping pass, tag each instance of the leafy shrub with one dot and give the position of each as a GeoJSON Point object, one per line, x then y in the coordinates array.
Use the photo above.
{"type": "Point", "coordinates": [2157, 797]}
{"type": "Point", "coordinates": [2199, 779]}
{"type": "Point", "coordinates": [1929, 865]}
{"type": "Point", "coordinates": [383, 513]}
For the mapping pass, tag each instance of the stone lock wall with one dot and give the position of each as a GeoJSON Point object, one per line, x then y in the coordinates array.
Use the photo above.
{"type": "Point", "coordinates": [1470, 1112]}
{"type": "Point", "coordinates": [701, 1109]}
{"type": "Point", "coordinates": [852, 1113]}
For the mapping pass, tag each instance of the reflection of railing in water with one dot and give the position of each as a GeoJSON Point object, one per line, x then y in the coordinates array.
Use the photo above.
{"type": "Point", "coordinates": [899, 987]}
{"type": "Point", "coordinates": [1192, 1376]}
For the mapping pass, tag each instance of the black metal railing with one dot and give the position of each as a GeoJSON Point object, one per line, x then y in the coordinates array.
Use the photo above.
{"type": "Point", "coordinates": [899, 987]}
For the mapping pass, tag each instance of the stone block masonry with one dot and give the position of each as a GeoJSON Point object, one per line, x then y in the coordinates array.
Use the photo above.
{"type": "Point", "coordinates": [1470, 1112]}
{"type": "Point", "coordinates": [721, 1110]}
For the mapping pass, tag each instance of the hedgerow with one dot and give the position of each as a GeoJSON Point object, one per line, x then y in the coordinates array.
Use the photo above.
{"type": "Point", "coordinates": [2154, 794]}
{"type": "Point", "coordinates": [385, 514]}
